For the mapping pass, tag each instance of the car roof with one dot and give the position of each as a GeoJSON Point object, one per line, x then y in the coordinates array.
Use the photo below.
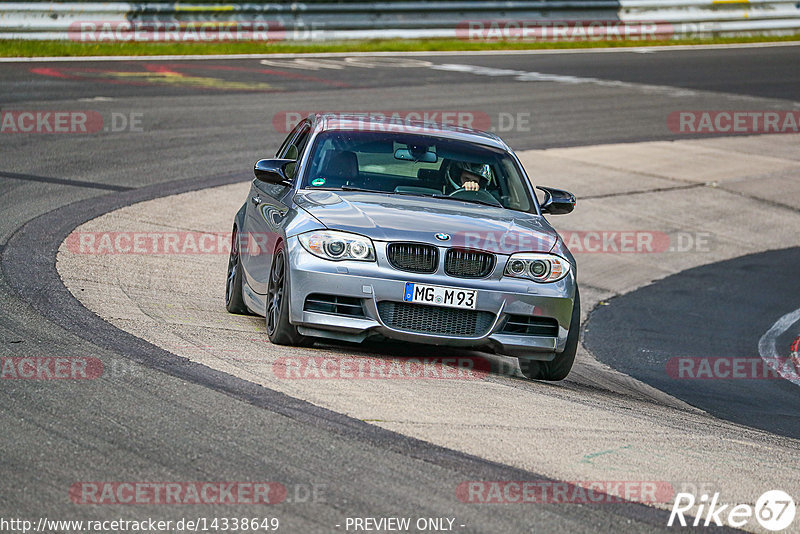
{"type": "Point", "coordinates": [373, 123]}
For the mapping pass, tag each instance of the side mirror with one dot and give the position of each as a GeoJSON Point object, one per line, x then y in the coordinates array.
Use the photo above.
{"type": "Point", "coordinates": [556, 201]}
{"type": "Point", "coordinates": [274, 171]}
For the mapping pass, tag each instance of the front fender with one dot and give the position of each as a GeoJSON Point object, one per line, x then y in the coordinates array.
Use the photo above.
{"type": "Point", "coordinates": [238, 219]}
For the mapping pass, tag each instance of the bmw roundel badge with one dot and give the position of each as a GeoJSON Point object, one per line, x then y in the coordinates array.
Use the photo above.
{"type": "Point", "coordinates": [442, 237]}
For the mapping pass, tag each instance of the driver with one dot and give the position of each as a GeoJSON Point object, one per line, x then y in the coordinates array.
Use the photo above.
{"type": "Point", "coordinates": [468, 175]}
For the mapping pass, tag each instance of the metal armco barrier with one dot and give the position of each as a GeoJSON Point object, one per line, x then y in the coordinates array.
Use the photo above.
{"type": "Point", "coordinates": [702, 18]}
{"type": "Point", "coordinates": [468, 20]}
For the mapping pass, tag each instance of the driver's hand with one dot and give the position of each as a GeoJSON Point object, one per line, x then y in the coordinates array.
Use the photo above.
{"type": "Point", "coordinates": [469, 181]}
{"type": "Point", "coordinates": [471, 186]}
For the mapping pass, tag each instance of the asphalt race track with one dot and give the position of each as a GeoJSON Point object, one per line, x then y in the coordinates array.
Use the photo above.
{"type": "Point", "coordinates": [718, 311]}
{"type": "Point", "coordinates": [194, 127]}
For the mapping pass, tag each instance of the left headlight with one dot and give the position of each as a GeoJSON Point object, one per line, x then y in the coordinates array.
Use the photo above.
{"type": "Point", "coordinates": [338, 246]}
{"type": "Point", "coordinates": [537, 267]}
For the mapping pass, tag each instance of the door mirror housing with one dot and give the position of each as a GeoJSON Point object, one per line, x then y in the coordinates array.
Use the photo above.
{"type": "Point", "coordinates": [557, 201]}
{"type": "Point", "coordinates": [274, 171]}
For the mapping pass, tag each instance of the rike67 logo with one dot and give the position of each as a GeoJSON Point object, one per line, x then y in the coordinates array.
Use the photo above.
{"type": "Point", "coordinates": [774, 510]}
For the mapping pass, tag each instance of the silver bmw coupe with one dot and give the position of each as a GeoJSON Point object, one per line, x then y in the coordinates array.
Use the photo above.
{"type": "Point", "coordinates": [362, 228]}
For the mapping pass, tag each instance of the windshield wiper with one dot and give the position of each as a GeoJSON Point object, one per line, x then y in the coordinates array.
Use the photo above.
{"type": "Point", "coordinates": [474, 200]}
{"type": "Point", "coordinates": [446, 197]}
{"type": "Point", "coordinates": [347, 188]}
{"type": "Point", "coordinates": [406, 193]}
{"type": "Point", "coordinates": [362, 189]}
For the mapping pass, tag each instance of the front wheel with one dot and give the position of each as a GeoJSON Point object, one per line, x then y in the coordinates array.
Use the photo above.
{"type": "Point", "coordinates": [279, 329]}
{"type": "Point", "coordinates": [560, 366]}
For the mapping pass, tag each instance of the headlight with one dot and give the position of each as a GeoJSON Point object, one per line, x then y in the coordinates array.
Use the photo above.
{"type": "Point", "coordinates": [332, 245]}
{"type": "Point", "coordinates": [537, 267]}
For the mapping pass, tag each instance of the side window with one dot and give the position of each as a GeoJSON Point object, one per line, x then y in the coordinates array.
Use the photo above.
{"type": "Point", "coordinates": [295, 149]}
{"type": "Point", "coordinates": [286, 142]}
{"type": "Point", "coordinates": [300, 142]}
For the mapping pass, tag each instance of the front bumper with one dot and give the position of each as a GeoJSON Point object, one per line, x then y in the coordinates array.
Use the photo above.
{"type": "Point", "coordinates": [374, 282]}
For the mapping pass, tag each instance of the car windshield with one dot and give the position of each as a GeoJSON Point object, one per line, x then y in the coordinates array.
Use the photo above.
{"type": "Point", "coordinates": [415, 164]}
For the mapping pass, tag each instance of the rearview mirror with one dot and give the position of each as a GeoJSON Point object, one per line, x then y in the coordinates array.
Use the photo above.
{"type": "Point", "coordinates": [556, 201]}
{"type": "Point", "coordinates": [274, 171]}
{"type": "Point", "coordinates": [406, 155]}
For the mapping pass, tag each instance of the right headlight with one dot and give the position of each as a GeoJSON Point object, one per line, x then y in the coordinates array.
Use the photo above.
{"type": "Point", "coordinates": [537, 267]}
{"type": "Point", "coordinates": [337, 246]}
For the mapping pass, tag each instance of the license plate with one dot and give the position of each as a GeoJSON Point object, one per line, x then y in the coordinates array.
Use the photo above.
{"type": "Point", "coordinates": [440, 296]}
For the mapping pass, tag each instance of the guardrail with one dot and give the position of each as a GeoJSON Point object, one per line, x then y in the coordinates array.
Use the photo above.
{"type": "Point", "coordinates": [496, 20]}
{"type": "Point", "coordinates": [717, 17]}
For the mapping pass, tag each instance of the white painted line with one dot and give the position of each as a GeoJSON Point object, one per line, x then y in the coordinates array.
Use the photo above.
{"type": "Point", "coordinates": [631, 49]}
{"type": "Point", "coordinates": [529, 76]}
{"type": "Point", "coordinates": [767, 345]}
{"type": "Point", "coordinates": [532, 76]}
{"type": "Point", "coordinates": [307, 63]}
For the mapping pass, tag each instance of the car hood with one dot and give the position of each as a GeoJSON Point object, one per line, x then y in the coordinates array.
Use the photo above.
{"type": "Point", "coordinates": [388, 217]}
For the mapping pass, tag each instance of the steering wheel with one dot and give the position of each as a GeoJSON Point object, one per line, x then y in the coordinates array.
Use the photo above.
{"type": "Point", "coordinates": [451, 183]}
{"type": "Point", "coordinates": [480, 195]}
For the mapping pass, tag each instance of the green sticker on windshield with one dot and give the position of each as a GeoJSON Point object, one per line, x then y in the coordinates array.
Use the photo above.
{"type": "Point", "coordinates": [318, 181]}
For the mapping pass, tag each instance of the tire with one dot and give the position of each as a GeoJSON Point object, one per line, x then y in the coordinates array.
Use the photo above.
{"type": "Point", "coordinates": [279, 329]}
{"type": "Point", "coordinates": [560, 366]}
{"type": "Point", "coordinates": [234, 302]}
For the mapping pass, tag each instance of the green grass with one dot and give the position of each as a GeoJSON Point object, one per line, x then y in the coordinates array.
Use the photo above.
{"type": "Point", "coordinates": [19, 48]}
